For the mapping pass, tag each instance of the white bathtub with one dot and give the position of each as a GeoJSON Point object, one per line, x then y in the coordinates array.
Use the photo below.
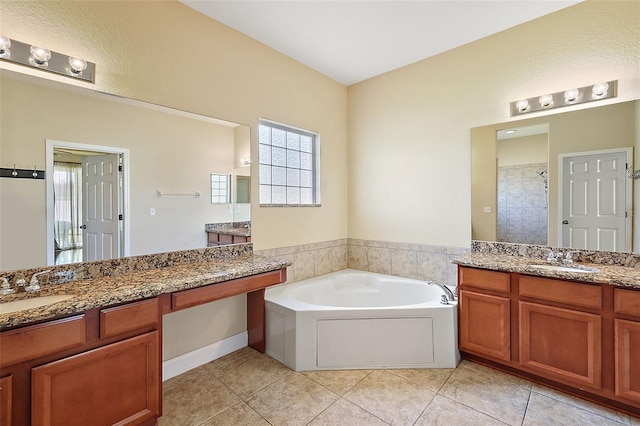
{"type": "Point", "coordinates": [360, 320]}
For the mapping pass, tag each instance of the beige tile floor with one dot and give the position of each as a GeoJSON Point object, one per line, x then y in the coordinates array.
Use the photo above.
{"type": "Point", "coordinates": [248, 388]}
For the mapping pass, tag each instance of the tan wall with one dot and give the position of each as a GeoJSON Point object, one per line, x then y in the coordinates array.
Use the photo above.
{"type": "Point", "coordinates": [168, 54]}
{"type": "Point", "coordinates": [409, 130]}
{"type": "Point", "coordinates": [636, 183]}
{"type": "Point", "coordinates": [524, 150]}
{"type": "Point", "coordinates": [167, 152]}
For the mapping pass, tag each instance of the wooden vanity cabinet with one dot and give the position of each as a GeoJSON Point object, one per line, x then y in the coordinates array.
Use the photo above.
{"type": "Point", "coordinates": [627, 344]}
{"type": "Point", "coordinates": [485, 313]}
{"type": "Point", "coordinates": [100, 367]}
{"type": "Point", "coordinates": [113, 384]}
{"type": "Point", "coordinates": [579, 337]}
{"type": "Point", "coordinates": [5, 400]}
{"type": "Point", "coordinates": [217, 239]}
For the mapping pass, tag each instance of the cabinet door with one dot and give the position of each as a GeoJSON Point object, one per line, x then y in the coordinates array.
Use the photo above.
{"type": "Point", "coordinates": [561, 343]}
{"type": "Point", "coordinates": [485, 325]}
{"type": "Point", "coordinates": [5, 401]}
{"type": "Point", "coordinates": [627, 359]}
{"type": "Point", "coordinates": [115, 384]}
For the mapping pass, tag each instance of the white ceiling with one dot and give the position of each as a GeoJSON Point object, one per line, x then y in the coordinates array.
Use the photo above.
{"type": "Point", "coordinates": [353, 40]}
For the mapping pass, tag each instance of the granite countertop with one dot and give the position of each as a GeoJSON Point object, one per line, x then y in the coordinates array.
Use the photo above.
{"type": "Point", "coordinates": [606, 274]}
{"type": "Point", "coordinates": [111, 290]}
{"type": "Point", "coordinates": [238, 232]}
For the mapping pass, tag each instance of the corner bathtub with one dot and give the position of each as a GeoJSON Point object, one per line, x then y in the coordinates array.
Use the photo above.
{"type": "Point", "coordinates": [360, 320]}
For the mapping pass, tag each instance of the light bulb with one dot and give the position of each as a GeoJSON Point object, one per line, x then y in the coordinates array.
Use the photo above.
{"type": "Point", "coordinates": [77, 65]}
{"type": "Point", "coordinates": [546, 101]}
{"type": "Point", "coordinates": [599, 90]}
{"type": "Point", "coordinates": [40, 55]}
{"type": "Point", "coordinates": [5, 44]}
{"type": "Point", "coordinates": [571, 96]}
{"type": "Point", "coordinates": [522, 105]}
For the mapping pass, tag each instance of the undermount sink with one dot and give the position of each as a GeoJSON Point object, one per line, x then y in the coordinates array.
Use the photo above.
{"type": "Point", "coordinates": [33, 302]}
{"type": "Point", "coordinates": [565, 268]}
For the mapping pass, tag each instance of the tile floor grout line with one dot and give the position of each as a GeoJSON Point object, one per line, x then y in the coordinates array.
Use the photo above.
{"type": "Point", "coordinates": [475, 409]}
{"type": "Point", "coordinates": [571, 403]}
{"type": "Point", "coordinates": [526, 408]}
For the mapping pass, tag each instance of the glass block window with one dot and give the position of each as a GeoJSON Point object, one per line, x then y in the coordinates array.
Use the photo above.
{"type": "Point", "coordinates": [288, 165]}
{"type": "Point", "coordinates": [220, 188]}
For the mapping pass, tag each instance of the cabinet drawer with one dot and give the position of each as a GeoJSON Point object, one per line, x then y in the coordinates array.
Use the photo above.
{"type": "Point", "coordinates": [571, 293]}
{"type": "Point", "coordinates": [129, 317]}
{"type": "Point", "coordinates": [41, 339]}
{"type": "Point", "coordinates": [489, 280]}
{"type": "Point", "coordinates": [198, 296]}
{"type": "Point", "coordinates": [626, 301]}
{"type": "Point", "coordinates": [225, 239]}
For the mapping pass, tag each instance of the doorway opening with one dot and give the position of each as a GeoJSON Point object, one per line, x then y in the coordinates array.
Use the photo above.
{"type": "Point", "coordinates": [87, 202]}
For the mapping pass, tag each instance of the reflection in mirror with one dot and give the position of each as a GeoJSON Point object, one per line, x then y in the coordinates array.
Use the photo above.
{"type": "Point", "coordinates": [220, 188]}
{"type": "Point", "coordinates": [169, 150]}
{"type": "Point", "coordinates": [242, 193]}
{"type": "Point", "coordinates": [576, 135]}
{"type": "Point", "coordinates": [523, 184]}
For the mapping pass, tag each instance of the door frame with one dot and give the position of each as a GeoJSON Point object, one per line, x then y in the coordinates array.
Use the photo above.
{"type": "Point", "coordinates": [49, 158]}
{"type": "Point", "coordinates": [628, 190]}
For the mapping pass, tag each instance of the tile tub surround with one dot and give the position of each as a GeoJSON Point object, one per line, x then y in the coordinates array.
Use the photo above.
{"type": "Point", "coordinates": [111, 282]}
{"type": "Point", "coordinates": [416, 261]}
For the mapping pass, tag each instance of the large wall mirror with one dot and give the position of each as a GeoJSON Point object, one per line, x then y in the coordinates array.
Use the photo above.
{"type": "Point", "coordinates": [163, 190]}
{"type": "Point", "coordinates": [559, 180]}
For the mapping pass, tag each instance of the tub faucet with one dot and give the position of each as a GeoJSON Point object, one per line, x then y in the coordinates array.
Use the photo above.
{"type": "Point", "coordinates": [444, 288]}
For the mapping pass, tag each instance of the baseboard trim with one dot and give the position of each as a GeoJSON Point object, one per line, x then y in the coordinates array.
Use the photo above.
{"type": "Point", "coordinates": [183, 363]}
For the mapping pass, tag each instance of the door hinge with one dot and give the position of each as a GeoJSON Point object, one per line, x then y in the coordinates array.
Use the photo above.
{"type": "Point", "coordinates": [120, 168]}
{"type": "Point", "coordinates": [120, 217]}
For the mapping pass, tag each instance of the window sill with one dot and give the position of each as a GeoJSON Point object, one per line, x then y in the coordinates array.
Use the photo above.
{"type": "Point", "coordinates": [290, 205]}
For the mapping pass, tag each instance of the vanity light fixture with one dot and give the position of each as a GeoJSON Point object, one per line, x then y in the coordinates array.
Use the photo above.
{"type": "Point", "coordinates": [40, 56]}
{"type": "Point", "coordinates": [571, 96]}
{"type": "Point", "coordinates": [575, 96]}
{"type": "Point", "coordinates": [44, 59]}
{"type": "Point", "coordinates": [522, 106]}
{"type": "Point", "coordinates": [5, 44]}
{"type": "Point", "coordinates": [77, 65]}
{"type": "Point", "coordinates": [545, 101]}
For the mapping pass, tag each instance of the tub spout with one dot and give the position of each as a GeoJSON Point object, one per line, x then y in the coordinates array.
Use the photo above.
{"type": "Point", "coordinates": [444, 288]}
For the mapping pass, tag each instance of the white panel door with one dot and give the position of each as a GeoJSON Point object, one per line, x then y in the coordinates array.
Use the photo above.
{"type": "Point", "coordinates": [101, 235]}
{"type": "Point", "coordinates": [594, 191]}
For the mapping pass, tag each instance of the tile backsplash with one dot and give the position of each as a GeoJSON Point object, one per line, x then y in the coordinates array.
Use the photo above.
{"type": "Point", "coordinates": [417, 261]}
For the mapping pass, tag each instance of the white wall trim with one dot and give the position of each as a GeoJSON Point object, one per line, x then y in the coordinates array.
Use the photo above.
{"type": "Point", "coordinates": [183, 363]}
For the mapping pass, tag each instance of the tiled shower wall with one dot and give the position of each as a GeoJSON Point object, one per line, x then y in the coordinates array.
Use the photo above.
{"type": "Point", "coordinates": [417, 261]}
{"type": "Point", "coordinates": [522, 204]}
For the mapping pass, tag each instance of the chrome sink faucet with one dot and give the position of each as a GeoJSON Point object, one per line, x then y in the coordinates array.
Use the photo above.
{"type": "Point", "coordinates": [449, 294]}
{"type": "Point", "coordinates": [5, 288]}
{"type": "Point", "coordinates": [560, 257]}
{"type": "Point", "coordinates": [34, 284]}
{"type": "Point", "coordinates": [554, 257]}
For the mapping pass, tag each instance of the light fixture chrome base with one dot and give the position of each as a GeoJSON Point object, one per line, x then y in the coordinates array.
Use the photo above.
{"type": "Point", "coordinates": [57, 63]}
{"type": "Point", "coordinates": [574, 96]}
